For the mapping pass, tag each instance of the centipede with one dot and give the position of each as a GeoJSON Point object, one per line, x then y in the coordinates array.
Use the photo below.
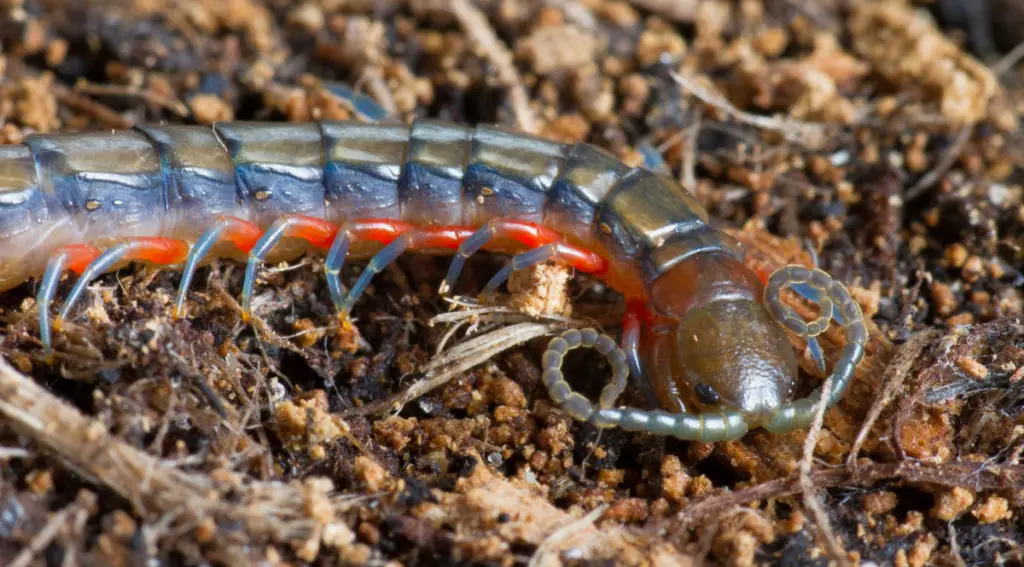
{"type": "Point", "coordinates": [701, 330]}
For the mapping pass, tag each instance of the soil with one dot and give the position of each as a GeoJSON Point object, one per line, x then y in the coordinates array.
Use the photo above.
{"type": "Point", "coordinates": [879, 140]}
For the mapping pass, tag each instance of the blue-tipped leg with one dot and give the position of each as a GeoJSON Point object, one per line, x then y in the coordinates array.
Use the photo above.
{"type": "Point", "coordinates": [519, 262]}
{"type": "Point", "coordinates": [47, 289]}
{"type": "Point", "coordinates": [470, 246]}
{"type": "Point", "coordinates": [365, 107]}
{"type": "Point", "coordinates": [387, 255]}
{"type": "Point", "coordinates": [263, 246]}
{"type": "Point", "coordinates": [104, 262]}
{"type": "Point", "coordinates": [333, 264]}
{"type": "Point", "coordinates": [195, 256]}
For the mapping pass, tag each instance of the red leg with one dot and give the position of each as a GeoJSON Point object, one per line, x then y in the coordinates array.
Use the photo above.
{"type": "Point", "coordinates": [239, 232]}
{"type": "Point", "coordinates": [383, 231]}
{"type": "Point", "coordinates": [532, 235]}
{"type": "Point", "coordinates": [157, 250]}
{"type": "Point", "coordinates": [78, 256]}
{"type": "Point", "coordinates": [318, 232]}
{"type": "Point", "coordinates": [153, 249]}
{"type": "Point", "coordinates": [242, 233]}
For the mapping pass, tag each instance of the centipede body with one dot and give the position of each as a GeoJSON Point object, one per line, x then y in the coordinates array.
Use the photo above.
{"type": "Point", "coordinates": [175, 194]}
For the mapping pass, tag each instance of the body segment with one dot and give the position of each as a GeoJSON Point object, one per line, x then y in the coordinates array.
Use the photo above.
{"type": "Point", "coordinates": [697, 327]}
{"type": "Point", "coordinates": [430, 185]}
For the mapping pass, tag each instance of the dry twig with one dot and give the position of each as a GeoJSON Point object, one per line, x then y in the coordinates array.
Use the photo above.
{"type": "Point", "coordinates": [517, 328]}
{"type": "Point", "coordinates": [1009, 60]}
{"type": "Point", "coordinates": [169, 103]}
{"type": "Point", "coordinates": [7, 453]}
{"type": "Point", "coordinates": [808, 134]}
{"type": "Point", "coordinates": [551, 543]}
{"type": "Point", "coordinates": [101, 112]}
{"type": "Point", "coordinates": [954, 549]}
{"type": "Point", "coordinates": [947, 161]}
{"type": "Point", "coordinates": [280, 512]}
{"type": "Point", "coordinates": [978, 476]}
{"type": "Point", "coordinates": [483, 495]}
{"type": "Point", "coordinates": [57, 523]}
{"type": "Point", "coordinates": [475, 24]}
{"type": "Point", "coordinates": [378, 89]}
{"type": "Point", "coordinates": [895, 374]}
{"type": "Point", "coordinates": [577, 13]}
{"type": "Point", "coordinates": [811, 501]}
{"type": "Point", "coordinates": [687, 175]}
{"type": "Point", "coordinates": [679, 11]}
{"type": "Point", "coordinates": [459, 359]}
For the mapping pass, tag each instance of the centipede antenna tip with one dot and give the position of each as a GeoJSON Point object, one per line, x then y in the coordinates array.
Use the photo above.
{"type": "Point", "coordinates": [818, 356]}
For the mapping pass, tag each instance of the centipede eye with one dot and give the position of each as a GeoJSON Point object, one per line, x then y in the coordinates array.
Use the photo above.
{"type": "Point", "coordinates": [706, 394]}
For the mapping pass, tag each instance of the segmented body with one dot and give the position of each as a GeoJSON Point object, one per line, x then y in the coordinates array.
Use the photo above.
{"type": "Point", "coordinates": [181, 194]}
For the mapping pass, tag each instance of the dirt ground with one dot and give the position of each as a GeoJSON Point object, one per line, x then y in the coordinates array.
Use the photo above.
{"type": "Point", "coordinates": [878, 139]}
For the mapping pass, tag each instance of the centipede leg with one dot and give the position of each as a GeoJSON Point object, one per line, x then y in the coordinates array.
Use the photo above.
{"type": "Point", "coordinates": [529, 235]}
{"type": "Point", "coordinates": [387, 255]}
{"type": "Point", "coordinates": [652, 158]}
{"type": "Point", "coordinates": [468, 247]}
{"type": "Point", "coordinates": [708, 427]}
{"type": "Point", "coordinates": [243, 234]}
{"type": "Point", "coordinates": [318, 232]}
{"type": "Point", "coordinates": [74, 258]}
{"type": "Point", "coordinates": [384, 232]}
{"type": "Point", "coordinates": [632, 323]}
{"type": "Point", "coordinates": [631, 326]}
{"type": "Point", "coordinates": [333, 264]}
{"type": "Point", "coordinates": [410, 239]}
{"type": "Point", "coordinates": [519, 262]}
{"type": "Point", "coordinates": [555, 251]}
{"type": "Point", "coordinates": [363, 106]}
{"type": "Point", "coordinates": [157, 250]}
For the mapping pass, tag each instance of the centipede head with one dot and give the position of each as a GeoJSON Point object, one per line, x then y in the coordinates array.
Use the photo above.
{"type": "Point", "coordinates": [715, 343]}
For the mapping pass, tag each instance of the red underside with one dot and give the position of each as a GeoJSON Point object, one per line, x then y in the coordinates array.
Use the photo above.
{"type": "Point", "coordinates": [321, 233]}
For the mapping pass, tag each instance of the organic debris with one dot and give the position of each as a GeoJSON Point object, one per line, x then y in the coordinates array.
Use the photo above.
{"type": "Point", "coordinates": [876, 139]}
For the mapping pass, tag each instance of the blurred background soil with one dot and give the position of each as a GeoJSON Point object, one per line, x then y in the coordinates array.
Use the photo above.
{"type": "Point", "coordinates": [879, 139]}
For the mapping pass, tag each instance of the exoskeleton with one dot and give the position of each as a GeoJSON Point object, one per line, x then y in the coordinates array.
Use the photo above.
{"type": "Point", "coordinates": [700, 327]}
